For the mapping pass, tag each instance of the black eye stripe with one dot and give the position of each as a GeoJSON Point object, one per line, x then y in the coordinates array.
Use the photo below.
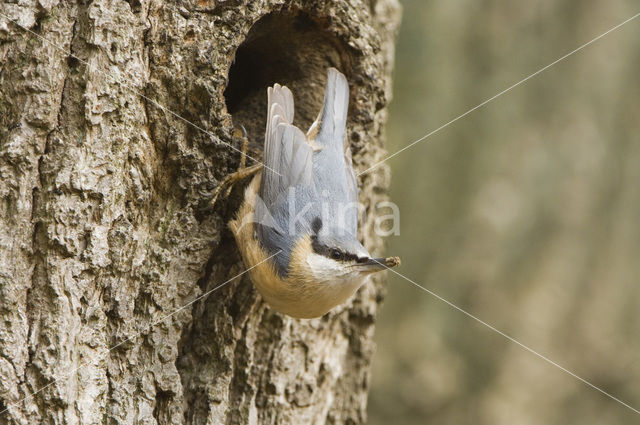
{"type": "Point", "coordinates": [350, 257]}
{"type": "Point", "coordinates": [329, 252]}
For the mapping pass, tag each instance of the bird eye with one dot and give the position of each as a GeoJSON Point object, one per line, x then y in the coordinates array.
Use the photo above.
{"type": "Point", "coordinates": [336, 254]}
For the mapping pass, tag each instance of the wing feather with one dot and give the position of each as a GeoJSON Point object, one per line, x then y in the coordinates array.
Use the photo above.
{"type": "Point", "coordinates": [287, 155]}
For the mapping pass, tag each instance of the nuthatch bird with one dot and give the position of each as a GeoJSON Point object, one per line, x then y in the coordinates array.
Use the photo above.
{"type": "Point", "coordinates": [296, 228]}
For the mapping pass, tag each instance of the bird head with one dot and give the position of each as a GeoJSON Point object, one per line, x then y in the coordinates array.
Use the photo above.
{"type": "Point", "coordinates": [335, 255]}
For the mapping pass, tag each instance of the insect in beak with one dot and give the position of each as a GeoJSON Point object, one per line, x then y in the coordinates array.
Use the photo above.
{"type": "Point", "coordinates": [376, 264]}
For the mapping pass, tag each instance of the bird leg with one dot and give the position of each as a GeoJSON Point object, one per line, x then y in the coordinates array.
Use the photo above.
{"type": "Point", "coordinates": [242, 173]}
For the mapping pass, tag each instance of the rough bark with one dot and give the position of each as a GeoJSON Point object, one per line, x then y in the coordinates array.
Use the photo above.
{"type": "Point", "coordinates": [106, 227]}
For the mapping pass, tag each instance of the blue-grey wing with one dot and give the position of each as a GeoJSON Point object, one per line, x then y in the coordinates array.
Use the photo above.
{"type": "Point", "coordinates": [287, 155]}
{"type": "Point", "coordinates": [287, 175]}
{"type": "Point", "coordinates": [333, 167]}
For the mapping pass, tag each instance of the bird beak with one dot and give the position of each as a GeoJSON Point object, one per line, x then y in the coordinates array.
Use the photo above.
{"type": "Point", "coordinates": [378, 264]}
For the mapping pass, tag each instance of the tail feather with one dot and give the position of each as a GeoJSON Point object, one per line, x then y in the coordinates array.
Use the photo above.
{"type": "Point", "coordinates": [333, 117]}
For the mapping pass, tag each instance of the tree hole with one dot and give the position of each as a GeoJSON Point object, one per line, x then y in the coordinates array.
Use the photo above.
{"type": "Point", "coordinates": [290, 48]}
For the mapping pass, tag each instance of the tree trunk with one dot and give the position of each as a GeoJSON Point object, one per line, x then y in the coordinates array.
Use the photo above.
{"type": "Point", "coordinates": [116, 125]}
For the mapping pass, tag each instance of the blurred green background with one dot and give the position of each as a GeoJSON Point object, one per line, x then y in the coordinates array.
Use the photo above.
{"type": "Point", "coordinates": [525, 213]}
